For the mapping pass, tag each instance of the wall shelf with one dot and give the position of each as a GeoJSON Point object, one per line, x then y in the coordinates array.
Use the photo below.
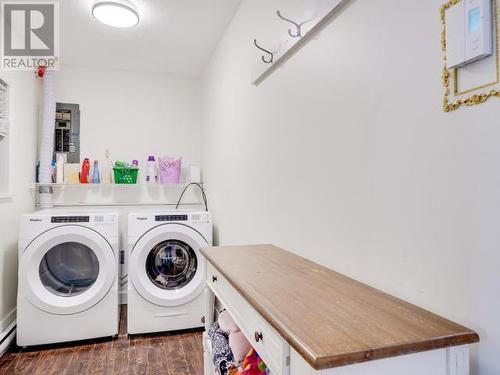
{"type": "Point", "coordinates": [141, 194]}
{"type": "Point", "coordinates": [109, 186]}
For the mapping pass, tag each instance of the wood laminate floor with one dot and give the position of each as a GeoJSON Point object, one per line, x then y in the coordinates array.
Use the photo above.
{"type": "Point", "coordinates": [165, 354]}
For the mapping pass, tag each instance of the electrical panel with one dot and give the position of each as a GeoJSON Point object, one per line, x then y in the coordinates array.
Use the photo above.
{"type": "Point", "coordinates": [67, 132]}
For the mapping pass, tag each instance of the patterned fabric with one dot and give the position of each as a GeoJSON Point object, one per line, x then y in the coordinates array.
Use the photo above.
{"type": "Point", "coordinates": [221, 352]}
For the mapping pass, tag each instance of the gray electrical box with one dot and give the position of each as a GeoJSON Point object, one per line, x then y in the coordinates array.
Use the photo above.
{"type": "Point", "coordinates": [67, 132]}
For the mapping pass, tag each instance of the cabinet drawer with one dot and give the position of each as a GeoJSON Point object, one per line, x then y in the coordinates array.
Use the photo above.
{"type": "Point", "coordinates": [264, 338]}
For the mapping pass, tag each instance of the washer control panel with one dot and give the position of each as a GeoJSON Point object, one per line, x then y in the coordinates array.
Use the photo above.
{"type": "Point", "coordinates": [171, 218]}
{"type": "Point", "coordinates": [70, 219]}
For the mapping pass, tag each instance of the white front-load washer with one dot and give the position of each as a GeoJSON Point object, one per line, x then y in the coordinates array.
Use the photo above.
{"type": "Point", "coordinates": [68, 277]}
{"type": "Point", "coordinates": [166, 270]}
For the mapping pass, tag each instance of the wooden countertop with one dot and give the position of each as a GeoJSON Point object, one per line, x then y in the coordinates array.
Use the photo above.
{"type": "Point", "coordinates": [330, 319]}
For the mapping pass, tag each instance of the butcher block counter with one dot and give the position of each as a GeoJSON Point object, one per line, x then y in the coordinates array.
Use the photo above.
{"type": "Point", "coordinates": [303, 318]}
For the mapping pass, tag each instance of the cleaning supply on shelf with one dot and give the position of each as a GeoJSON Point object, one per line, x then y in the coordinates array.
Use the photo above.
{"type": "Point", "coordinates": [96, 178]}
{"type": "Point", "coordinates": [84, 175]}
{"type": "Point", "coordinates": [125, 173]}
{"type": "Point", "coordinates": [170, 170]}
{"type": "Point", "coordinates": [54, 171]}
{"type": "Point", "coordinates": [152, 171]}
{"type": "Point", "coordinates": [60, 161]}
{"type": "Point", "coordinates": [135, 163]}
{"type": "Point", "coordinates": [107, 166]}
{"type": "Point", "coordinates": [72, 173]}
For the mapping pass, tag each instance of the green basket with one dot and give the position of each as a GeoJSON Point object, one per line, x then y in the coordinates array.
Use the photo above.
{"type": "Point", "coordinates": [125, 175]}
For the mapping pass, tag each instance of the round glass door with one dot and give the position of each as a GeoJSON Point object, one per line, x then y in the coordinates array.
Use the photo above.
{"type": "Point", "coordinates": [171, 264]}
{"type": "Point", "coordinates": [69, 269]}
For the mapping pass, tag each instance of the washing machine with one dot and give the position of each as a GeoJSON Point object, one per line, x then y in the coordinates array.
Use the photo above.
{"type": "Point", "coordinates": [68, 277]}
{"type": "Point", "coordinates": [166, 270]}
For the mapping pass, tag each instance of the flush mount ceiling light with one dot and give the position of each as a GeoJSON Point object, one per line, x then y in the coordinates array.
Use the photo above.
{"type": "Point", "coordinates": [116, 13]}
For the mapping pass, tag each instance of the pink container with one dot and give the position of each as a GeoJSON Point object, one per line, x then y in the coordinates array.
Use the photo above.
{"type": "Point", "coordinates": [170, 170]}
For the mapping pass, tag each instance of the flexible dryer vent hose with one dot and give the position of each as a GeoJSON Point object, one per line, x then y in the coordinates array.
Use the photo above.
{"type": "Point", "coordinates": [47, 139]}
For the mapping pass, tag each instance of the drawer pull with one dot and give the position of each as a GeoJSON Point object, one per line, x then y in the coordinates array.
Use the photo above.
{"type": "Point", "coordinates": [214, 279]}
{"type": "Point", "coordinates": [258, 336]}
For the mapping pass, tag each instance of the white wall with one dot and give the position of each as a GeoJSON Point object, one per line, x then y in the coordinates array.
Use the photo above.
{"type": "Point", "coordinates": [345, 156]}
{"type": "Point", "coordinates": [133, 114]}
{"type": "Point", "coordinates": [24, 119]}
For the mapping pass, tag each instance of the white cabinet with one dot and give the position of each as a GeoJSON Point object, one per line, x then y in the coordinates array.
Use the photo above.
{"type": "Point", "coordinates": [271, 321]}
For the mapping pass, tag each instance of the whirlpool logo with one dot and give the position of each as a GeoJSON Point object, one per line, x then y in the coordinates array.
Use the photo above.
{"type": "Point", "coordinates": [36, 220]}
{"type": "Point", "coordinates": [140, 218]}
{"type": "Point", "coordinates": [30, 35]}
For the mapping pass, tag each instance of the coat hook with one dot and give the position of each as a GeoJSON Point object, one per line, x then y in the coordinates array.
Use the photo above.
{"type": "Point", "coordinates": [298, 33]}
{"type": "Point", "coordinates": [271, 54]}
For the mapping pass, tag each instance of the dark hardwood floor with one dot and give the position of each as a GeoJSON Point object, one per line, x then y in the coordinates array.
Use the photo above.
{"type": "Point", "coordinates": [165, 354]}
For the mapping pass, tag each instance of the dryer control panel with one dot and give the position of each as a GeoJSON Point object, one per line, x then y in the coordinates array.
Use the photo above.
{"type": "Point", "coordinates": [171, 218]}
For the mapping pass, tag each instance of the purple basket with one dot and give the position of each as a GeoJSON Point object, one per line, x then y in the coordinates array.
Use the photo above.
{"type": "Point", "coordinates": [170, 170]}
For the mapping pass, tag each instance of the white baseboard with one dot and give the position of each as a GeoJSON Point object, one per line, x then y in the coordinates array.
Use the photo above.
{"type": "Point", "coordinates": [11, 316]}
{"type": "Point", "coordinates": [7, 331]}
{"type": "Point", "coordinates": [7, 337]}
{"type": "Point", "coordinates": [123, 297]}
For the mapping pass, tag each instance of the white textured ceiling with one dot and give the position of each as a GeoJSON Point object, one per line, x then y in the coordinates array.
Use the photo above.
{"type": "Point", "coordinates": [173, 36]}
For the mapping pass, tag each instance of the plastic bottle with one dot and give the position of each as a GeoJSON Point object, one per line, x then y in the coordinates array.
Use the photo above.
{"type": "Point", "coordinates": [152, 171]}
{"type": "Point", "coordinates": [54, 171]}
{"type": "Point", "coordinates": [84, 175]}
{"type": "Point", "coordinates": [107, 168]}
{"type": "Point", "coordinates": [60, 169]}
{"type": "Point", "coordinates": [96, 179]}
{"type": "Point", "coordinates": [135, 164]}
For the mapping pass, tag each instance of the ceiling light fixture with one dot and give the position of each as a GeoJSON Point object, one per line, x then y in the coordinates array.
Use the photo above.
{"type": "Point", "coordinates": [116, 13]}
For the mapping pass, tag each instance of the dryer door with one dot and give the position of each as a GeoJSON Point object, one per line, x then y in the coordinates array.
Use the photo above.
{"type": "Point", "coordinates": [166, 266]}
{"type": "Point", "coordinates": [67, 270]}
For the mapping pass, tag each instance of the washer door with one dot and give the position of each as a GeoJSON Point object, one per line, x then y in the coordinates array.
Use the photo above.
{"type": "Point", "coordinates": [166, 266]}
{"type": "Point", "coordinates": [67, 270]}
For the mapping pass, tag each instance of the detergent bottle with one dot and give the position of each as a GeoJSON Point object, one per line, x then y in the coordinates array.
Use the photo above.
{"type": "Point", "coordinates": [152, 171]}
{"type": "Point", "coordinates": [84, 175]}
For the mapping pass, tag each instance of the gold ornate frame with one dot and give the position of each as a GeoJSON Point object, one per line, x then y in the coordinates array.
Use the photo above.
{"type": "Point", "coordinates": [476, 98]}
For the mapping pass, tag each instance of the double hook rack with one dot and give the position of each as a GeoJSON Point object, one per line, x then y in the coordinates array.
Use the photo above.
{"type": "Point", "coordinates": [297, 33]}
{"type": "Point", "coordinates": [298, 36]}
